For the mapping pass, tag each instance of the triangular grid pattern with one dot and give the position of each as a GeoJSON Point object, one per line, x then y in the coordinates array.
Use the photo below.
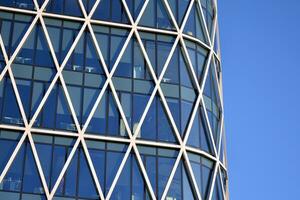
{"type": "Point", "coordinates": [130, 18]}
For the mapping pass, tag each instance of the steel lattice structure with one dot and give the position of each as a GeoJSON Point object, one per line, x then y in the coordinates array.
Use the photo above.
{"type": "Point", "coordinates": [133, 140]}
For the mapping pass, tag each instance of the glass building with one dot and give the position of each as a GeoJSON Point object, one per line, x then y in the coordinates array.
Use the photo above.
{"type": "Point", "coordinates": [111, 99]}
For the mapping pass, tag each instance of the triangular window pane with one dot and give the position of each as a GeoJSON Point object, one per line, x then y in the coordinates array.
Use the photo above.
{"type": "Point", "coordinates": [110, 41]}
{"type": "Point", "coordinates": [114, 157]}
{"type": "Point", "coordinates": [68, 183]}
{"type": "Point", "coordinates": [53, 153]}
{"type": "Point", "coordinates": [203, 172]}
{"type": "Point", "coordinates": [8, 142]}
{"type": "Point", "coordinates": [14, 177]}
{"type": "Point", "coordinates": [156, 15]}
{"type": "Point", "coordinates": [199, 134]}
{"type": "Point", "coordinates": [116, 125]}
{"type": "Point", "coordinates": [31, 181]}
{"type": "Point", "coordinates": [64, 118]}
{"type": "Point", "coordinates": [179, 8]}
{"type": "Point", "coordinates": [135, 7]}
{"type": "Point", "coordinates": [130, 174]}
{"type": "Point", "coordinates": [156, 125]}
{"type": "Point", "coordinates": [111, 10]}
{"type": "Point", "coordinates": [21, 4]}
{"type": "Point", "coordinates": [195, 25]}
{"type": "Point", "coordinates": [98, 121]}
{"type": "Point", "coordinates": [86, 184]}
{"type": "Point", "coordinates": [159, 163]}
{"type": "Point", "coordinates": [62, 34]}
{"type": "Point", "coordinates": [98, 155]}
{"type": "Point", "coordinates": [69, 7]}
{"type": "Point", "coordinates": [55, 113]}
{"type": "Point", "coordinates": [180, 185]}
{"type": "Point", "coordinates": [198, 56]}
{"type": "Point", "coordinates": [13, 29]}
{"type": "Point", "coordinates": [10, 109]}
{"type": "Point", "coordinates": [158, 48]}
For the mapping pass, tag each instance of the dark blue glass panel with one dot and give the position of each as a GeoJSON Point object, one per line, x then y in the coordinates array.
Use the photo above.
{"type": "Point", "coordinates": [172, 73]}
{"type": "Point", "coordinates": [24, 89]}
{"type": "Point", "coordinates": [92, 60]}
{"type": "Point", "coordinates": [98, 121]}
{"type": "Point", "coordinates": [59, 157]}
{"type": "Point", "coordinates": [125, 66]}
{"type": "Point", "coordinates": [150, 165]}
{"type": "Point", "coordinates": [165, 130]}
{"type": "Point", "coordinates": [163, 20]}
{"type": "Point", "coordinates": [19, 29]}
{"type": "Point", "coordinates": [135, 7]}
{"type": "Point", "coordinates": [13, 179]}
{"type": "Point", "coordinates": [155, 15]}
{"type": "Point", "coordinates": [45, 155]}
{"type": "Point", "coordinates": [86, 186]}
{"type": "Point", "coordinates": [72, 8]}
{"type": "Point", "coordinates": [55, 6]}
{"type": "Point", "coordinates": [139, 104]}
{"type": "Point", "coordinates": [199, 135]}
{"type": "Point", "coordinates": [43, 56]}
{"type": "Point", "coordinates": [6, 148]}
{"type": "Point", "coordinates": [165, 168]}
{"type": "Point", "coordinates": [70, 179]}
{"type": "Point", "coordinates": [186, 110]}
{"type": "Point", "coordinates": [174, 107]}
{"type": "Point", "coordinates": [26, 53]}
{"type": "Point", "coordinates": [111, 10]}
{"type": "Point", "coordinates": [179, 8]}
{"type": "Point", "coordinates": [113, 117]}
{"type": "Point", "coordinates": [31, 180]}
{"type": "Point", "coordinates": [22, 4]}
{"type": "Point", "coordinates": [218, 194]}
{"type": "Point", "coordinates": [175, 190]}
{"type": "Point", "coordinates": [64, 118]}
{"type": "Point", "coordinates": [138, 184]}
{"type": "Point", "coordinates": [10, 113]}
{"type": "Point", "coordinates": [148, 129]}
{"type": "Point", "coordinates": [207, 171]}
{"type": "Point", "coordinates": [123, 187]}
{"type": "Point", "coordinates": [113, 161]}
{"type": "Point", "coordinates": [98, 158]}
{"type": "Point", "coordinates": [47, 115]}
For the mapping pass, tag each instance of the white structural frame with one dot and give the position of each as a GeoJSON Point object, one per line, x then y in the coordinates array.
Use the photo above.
{"type": "Point", "coordinates": [132, 141]}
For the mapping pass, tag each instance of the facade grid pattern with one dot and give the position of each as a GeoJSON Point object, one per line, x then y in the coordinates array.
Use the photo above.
{"type": "Point", "coordinates": [134, 30]}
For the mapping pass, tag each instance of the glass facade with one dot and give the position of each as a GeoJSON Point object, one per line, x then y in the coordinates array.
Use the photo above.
{"type": "Point", "coordinates": [111, 99]}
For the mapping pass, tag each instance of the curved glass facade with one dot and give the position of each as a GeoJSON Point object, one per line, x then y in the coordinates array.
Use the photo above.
{"type": "Point", "coordinates": [111, 99]}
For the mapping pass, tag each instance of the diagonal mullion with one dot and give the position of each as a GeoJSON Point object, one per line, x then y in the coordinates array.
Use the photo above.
{"type": "Point", "coordinates": [23, 40]}
{"type": "Point", "coordinates": [222, 184]}
{"type": "Point", "coordinates": [27, 130]}
{"type": "Point", "coordinates": [170, 13]}
{"type": "Point", "coordinates": [164, 195]}
{"type": "Point", "coordinates": [191, 174]}
{"type": "Point", "coordinates": [188, 11]}
{"type": "Point", "coordinates": [213, 183]}
{"type": "Point", "coordinates": [204, 22]}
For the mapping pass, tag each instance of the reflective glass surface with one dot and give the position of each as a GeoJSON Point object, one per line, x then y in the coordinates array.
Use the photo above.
{"type": "Point", "coordinates": [97, 107]}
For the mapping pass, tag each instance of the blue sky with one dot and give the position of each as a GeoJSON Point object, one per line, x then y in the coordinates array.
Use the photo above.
{"type": "Point", "coordinates": [260, 44]}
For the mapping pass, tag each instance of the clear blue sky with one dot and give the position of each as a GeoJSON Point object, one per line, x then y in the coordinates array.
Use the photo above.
{"type": "Point", "coordinates": [260, 43]}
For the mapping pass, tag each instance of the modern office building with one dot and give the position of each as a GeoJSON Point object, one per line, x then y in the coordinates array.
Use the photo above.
{"type": "Point", "coordinates": [111, 99]}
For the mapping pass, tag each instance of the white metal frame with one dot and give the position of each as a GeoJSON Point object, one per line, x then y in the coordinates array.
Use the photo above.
{"type": "Point", "coordinates": [132, 141]}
